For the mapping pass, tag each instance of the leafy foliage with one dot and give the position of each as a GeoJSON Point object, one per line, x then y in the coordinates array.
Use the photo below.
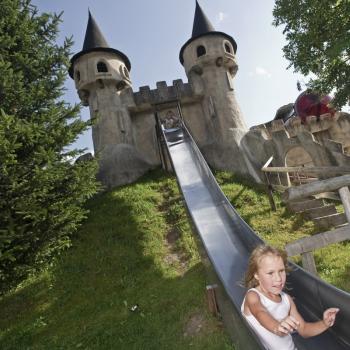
{"type": "Point", "coordinates": [41, 191]}
{"type": "Point", "coordinates": [318, 36]}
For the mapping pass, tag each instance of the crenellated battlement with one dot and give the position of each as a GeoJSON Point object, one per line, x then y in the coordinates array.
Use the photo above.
{"type": "Point", "coordinates": [294, 125]}
{"type": "Point", "coordinates": [163, 93]}
{"type": "Point", "coordinates": [125, 133]}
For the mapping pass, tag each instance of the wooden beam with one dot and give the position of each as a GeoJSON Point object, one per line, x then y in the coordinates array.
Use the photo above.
{"type": "Point", "coordinates": [308, 244]}
{"type": "Point", "coordinates": [345, 198]}
{"type": "Point", "coordinates": [267, 163]}
{"type": "Point", "coordinates": [328, 185]}
{"type": "Point", "coordinates": [323, 170]}
{"type": "Point", "coordinates": [308, 261]}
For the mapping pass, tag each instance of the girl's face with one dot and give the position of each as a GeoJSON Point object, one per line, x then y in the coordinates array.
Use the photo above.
{"type": "Point", "coordinates": [271, 274]}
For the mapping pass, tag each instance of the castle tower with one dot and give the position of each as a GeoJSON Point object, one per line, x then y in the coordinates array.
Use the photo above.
{"type": "Point", "coordinates": [210, 64]}
{"type": "Point", "coordinates": [101, 74]}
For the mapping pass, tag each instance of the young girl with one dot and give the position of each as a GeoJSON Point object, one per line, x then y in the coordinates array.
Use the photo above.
{"type": "Point", "coordinates": [269, 311]}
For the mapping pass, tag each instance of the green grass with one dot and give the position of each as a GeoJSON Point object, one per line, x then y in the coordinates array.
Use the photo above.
{"type": "Point", "coordinates": [281, 227]}
{"type": "Point", "coordinates": [136, 248]}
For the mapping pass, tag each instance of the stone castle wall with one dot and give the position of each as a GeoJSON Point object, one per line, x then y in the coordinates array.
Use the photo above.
{"type": "Point", "coordinates": [318, 142]}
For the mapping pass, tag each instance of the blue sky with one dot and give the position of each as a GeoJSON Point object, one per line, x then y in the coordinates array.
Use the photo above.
{"type": "Point", "coordinates": [151, 33]}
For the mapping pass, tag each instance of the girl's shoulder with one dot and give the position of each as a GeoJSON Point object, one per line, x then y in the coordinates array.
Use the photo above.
{"type": "Point", "coordinates": [252, 295]}
{"type": "Point", "coordinates": [253, 291]}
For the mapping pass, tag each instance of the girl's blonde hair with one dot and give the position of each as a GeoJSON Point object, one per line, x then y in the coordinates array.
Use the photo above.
{"type": "Point", "coordinates": [253, 264]}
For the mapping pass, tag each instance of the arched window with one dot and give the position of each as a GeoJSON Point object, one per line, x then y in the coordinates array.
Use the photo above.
{"type": "Point", "coordinates": [228, 48]}
{"type": "Point", "coordinates": [201, 51]}
{"type": "Point", "coordinates": [102, 67]}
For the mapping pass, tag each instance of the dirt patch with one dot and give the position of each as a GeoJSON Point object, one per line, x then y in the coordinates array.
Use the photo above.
{"type": "Point", "coordinates": [196, 324]}
{"type": "Point", "coordinates": [172, 236]}
{"type": "Point", "coordinates": [174, 257]}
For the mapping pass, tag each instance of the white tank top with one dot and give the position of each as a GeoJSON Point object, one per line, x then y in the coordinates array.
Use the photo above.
{"type": "Point", "coordinates": [279, 311]}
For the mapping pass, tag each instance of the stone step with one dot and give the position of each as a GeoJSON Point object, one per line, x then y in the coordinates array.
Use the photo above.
{"type": "Point", "coordinates": [326, 222]}
{"type": "Point", "coordinates": [319, 212]}
{"type": "Point", "coordinates": [297, 207]}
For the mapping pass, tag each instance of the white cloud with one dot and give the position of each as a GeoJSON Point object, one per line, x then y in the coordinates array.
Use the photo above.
{"type": "Point", "coordinates": [260, 71]}
{"type": "Point", "coordinates": [222, 16]}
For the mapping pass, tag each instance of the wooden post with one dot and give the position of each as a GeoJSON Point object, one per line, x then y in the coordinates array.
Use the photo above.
{"type": "Point", "coordinates": [308, 262]}
{"type": "Point", "coordinates": [298, 177]}
{"type": "Point", "coordinates": [279, 179]}
{"type": "Point", "coordinates": [211, 297]}
{"type": "Point", "coordinates": [345, 198]}
{"type": "Point", "coordinates": [270, 193]}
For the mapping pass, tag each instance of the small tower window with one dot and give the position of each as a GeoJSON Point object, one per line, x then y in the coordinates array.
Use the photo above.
{"type": "Point", "coordinates": [102, 67]}
{"type": "Point", "coordinates": [201, 51]}
{"type": "Point", "coordinates": [228, 48]}
{"type": "Point", "coordinates": [77, 75]}
{"type": "Point", "coordinates": [124, 72]}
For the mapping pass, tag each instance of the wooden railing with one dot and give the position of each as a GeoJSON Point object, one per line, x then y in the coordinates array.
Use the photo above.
{"type": "Point", "coordinates": [299, 174]}
{"type": "Point", "coordinates": [306, 245]}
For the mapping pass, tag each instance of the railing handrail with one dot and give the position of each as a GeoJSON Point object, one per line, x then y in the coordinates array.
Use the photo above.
{"type": "Point", "coordinates": [316, 169]}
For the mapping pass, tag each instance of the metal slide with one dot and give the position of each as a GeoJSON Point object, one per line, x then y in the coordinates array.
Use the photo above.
{"type": "Point", "coordinates": [228, 241]}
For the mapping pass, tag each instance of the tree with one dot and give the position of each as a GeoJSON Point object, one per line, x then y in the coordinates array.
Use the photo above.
{"type": "Point", "coordinates": [42, 193]}
{"type": "Point", "coordinates": [318, 36]}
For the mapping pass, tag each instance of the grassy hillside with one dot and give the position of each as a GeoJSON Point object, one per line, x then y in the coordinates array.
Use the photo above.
{"type": "Point", "coordinates": [133, 278]}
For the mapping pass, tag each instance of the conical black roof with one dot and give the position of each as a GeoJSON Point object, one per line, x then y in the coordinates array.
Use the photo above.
{"type": "Point", "coordinates": [93, 36]}
{"type": "Point", "coordinates": [201, 23]}
{"type": "Point", "coordinates": [95, 41]}
{"type": "Point", "coordinates": [203, 27]}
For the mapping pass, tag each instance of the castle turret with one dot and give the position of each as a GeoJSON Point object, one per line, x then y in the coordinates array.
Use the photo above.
{"type": "Point", "coordinates": [209, 59]}
{"type": "Point", "coordinates": [101, 73]}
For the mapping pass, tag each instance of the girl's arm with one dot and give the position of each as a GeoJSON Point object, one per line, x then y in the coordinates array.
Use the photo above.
{"type": "Point", "coordinates": [310, 329]}
{"type": "Point", "coordinates": [254, 306]}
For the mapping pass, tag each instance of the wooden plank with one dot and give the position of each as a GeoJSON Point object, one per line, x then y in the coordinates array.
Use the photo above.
{"type": "Point", "coordinates": [328, 221]}
{"type": "Point", "coordinates": [308, 244]}
{"type": "Point", "coordinates": [313, 213]}
{"type": "Point", "coordinates": [301, 206]}
{"type": "Point", "coordinates": [211, 298]}
{"type": "Point", "coordinates": [328, 185]}
{"type": "Point", "coordinates": [267, 163]}
{"type": "Point", "coordinates": [323, 170]}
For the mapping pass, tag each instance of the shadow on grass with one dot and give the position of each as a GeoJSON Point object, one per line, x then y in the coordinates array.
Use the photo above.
{"type": "Point", "coordinates": [110, 290]}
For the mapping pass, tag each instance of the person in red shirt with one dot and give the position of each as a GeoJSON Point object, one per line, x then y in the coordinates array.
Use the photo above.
{"type": "Point", "coordinates": [310, 103]}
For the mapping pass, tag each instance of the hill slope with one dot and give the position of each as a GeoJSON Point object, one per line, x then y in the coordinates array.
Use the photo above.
{"type": "Point", "coordinates": [133, 277]}
{"type": "Point", "coordinates": [132, 280]}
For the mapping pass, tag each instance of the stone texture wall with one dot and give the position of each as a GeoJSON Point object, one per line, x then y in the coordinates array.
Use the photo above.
{"type": "Point", "coordinates": [125, 139]}
{"type": "Point", "coordinates": [322, 143]}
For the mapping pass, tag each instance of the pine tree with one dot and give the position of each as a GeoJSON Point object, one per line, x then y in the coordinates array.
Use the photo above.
{"type": "Point", "coordinates": [42, 193]}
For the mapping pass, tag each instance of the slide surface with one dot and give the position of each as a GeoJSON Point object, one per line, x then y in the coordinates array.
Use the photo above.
{"type": "Point", "coordinates": [228, 241]}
